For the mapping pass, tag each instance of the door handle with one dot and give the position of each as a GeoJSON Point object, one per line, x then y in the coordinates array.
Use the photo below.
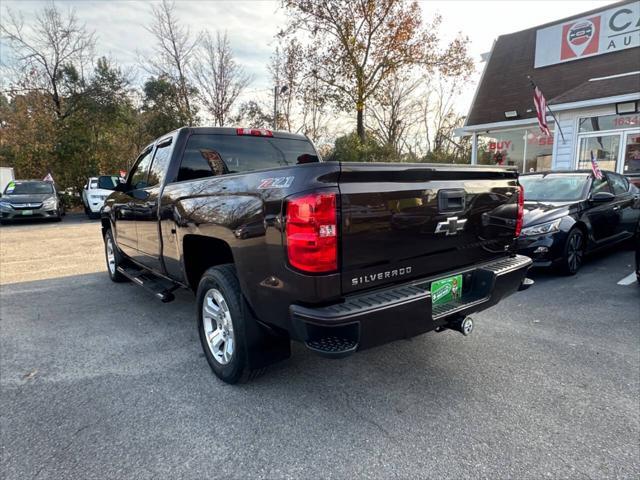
{"type": "Point", "coordinates": [616, 208]}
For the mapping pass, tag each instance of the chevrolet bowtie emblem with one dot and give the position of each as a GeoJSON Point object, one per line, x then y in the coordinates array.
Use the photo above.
{"type": "Point", "coordinates": [451, 226]}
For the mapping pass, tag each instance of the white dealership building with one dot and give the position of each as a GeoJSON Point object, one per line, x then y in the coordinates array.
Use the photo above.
{"type": "Point", "coordinates": [588, 68]}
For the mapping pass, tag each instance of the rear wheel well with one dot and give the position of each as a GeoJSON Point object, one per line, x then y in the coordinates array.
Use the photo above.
{"type": "Point", "coordinates": [200, 253]}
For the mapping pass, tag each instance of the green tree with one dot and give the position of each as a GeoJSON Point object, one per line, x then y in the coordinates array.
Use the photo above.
{"type": "Point", "coordinates": [252, 115]}
{"type": "Point", "coordinates": [350, 148]}
{"type": "Point", "coordinates": [160, 107]}
{"type": "Point", "coordinates": [113, 131]}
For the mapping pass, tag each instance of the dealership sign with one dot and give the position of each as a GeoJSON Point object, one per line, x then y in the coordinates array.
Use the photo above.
{"type": "Point", "coordinates": [608, 31]}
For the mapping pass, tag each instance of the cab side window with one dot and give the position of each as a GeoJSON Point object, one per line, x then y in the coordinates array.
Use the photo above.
{"type": "Point", "coordinates": [194, 165]}
{"type": "Point", "coordinates": [619, 184]}
{"type": "Point", "coordinates": [160, 164]}
{"type": "Point", "coordinates": [600, 185]}
{"type": "Point", "coordinates": [138, 176]}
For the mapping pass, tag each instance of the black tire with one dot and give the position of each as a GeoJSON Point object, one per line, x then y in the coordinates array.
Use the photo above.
{"type": "Point", "coordinates": [224, 280]}
{"type": "Point", "coordinates": [573, 252]}
{"type": "Point", "coordinates": [118, 258]}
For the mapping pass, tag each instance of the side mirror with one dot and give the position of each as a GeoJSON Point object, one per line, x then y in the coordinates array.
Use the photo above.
{"type": "Point", "coordinates": [602, 197]}
{"type": "Point", "coordinates": [120, 187]}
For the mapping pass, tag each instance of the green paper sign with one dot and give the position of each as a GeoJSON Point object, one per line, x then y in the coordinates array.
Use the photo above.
{"type": "Point", "coordinates": [446, 289]}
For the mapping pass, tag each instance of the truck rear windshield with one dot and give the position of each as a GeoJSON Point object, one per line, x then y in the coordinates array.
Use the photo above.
{"type": "Point", "coordinates": [210, 155]}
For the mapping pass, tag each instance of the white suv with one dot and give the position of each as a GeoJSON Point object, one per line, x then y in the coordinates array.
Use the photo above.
{"type": "Point", "coordinates": [96, 191]}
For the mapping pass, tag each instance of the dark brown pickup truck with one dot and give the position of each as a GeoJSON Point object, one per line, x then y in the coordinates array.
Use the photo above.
{"type": "Point", "coordinates": [280, 245]}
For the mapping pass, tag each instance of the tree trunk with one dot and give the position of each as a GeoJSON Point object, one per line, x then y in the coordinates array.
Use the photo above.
{"type": "Point", "coordinates": [360, 123]}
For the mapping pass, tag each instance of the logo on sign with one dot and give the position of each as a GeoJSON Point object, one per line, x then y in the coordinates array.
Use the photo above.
{"type": "Point", "coordinates": [580, 38]}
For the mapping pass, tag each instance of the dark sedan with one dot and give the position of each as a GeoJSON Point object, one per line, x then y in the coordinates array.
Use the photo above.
{"type": "Point", "coordinates": [30, 199]}
{"type": "Point", "coordinates": [638, 252]}
{"type": "Point", "coordinates": [570, 213]}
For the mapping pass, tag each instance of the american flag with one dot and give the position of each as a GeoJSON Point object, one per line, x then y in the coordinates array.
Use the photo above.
{"type": "Point", "coordinates": [595, 168]}
{"type": "Point", "coordinates": [541, 109]}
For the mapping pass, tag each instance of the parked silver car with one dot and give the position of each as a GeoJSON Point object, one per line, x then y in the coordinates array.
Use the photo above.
{"type": "Point", "coordinates": [30, 199]}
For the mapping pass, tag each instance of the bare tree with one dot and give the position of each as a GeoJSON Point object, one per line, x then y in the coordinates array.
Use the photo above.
{"type": "Point", "coordinates": [396, 111]}
{"type": "Point", "coordinates": [303, 106]}
{"type": "Point", "coordinates": [439, 117]}
{"type": "Point", "coordinates": [174, 56]}
{"type": "Point", "coordinates": [51, 56]}
{"type": "Point", "coordinates": [313, 96]}
{"type": "Point", "coordinates": [287, 70]}
{"type": "Point", "coordinates": [219, 78]}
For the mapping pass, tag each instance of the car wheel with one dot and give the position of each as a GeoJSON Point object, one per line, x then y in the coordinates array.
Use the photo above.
{"type": "Point", "coordinates": [114, 258]}
{"type": "Point", "coordinates": [573, 252]}
{"type": "Point", "coordinates": [222, 325]}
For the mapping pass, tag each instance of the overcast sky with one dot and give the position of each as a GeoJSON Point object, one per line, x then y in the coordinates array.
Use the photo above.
{"type": "Point", "coordinates": [251, 26]}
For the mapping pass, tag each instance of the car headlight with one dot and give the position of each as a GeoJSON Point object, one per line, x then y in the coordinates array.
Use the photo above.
{"type": "Point", "coordinates": [4, 204]}
{"type": "Point", "coordinates": [50, 204]}
{"type": "Point", "coordinates": [541, 229]}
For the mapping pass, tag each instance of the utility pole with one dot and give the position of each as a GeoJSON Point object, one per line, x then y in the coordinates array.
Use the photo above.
{"type": "Point", "coordinates": [276, 91]}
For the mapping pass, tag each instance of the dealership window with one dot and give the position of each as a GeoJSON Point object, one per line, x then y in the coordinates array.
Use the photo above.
{"type": "Point", "coordinates": [608, 122]}
{"type": "Point", "coordinates": [632, 153]}
{"type": "Point", "coordinates": [525, 148]}
{"type": "Point", "coordinates": [613, 139]}
{"type": "Point", "coordinates": [605, 148]}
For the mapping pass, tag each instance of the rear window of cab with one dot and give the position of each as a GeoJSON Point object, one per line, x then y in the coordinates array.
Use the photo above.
{"type": "Point", "coordinates": [208, 155]}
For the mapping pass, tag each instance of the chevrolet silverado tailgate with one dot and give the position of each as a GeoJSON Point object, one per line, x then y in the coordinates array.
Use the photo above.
{"type": "Point", "coordinates": [403, 221]}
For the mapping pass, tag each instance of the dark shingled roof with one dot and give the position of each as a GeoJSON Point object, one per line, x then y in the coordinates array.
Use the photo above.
{"type": "Point", "coordinates": [505, 86]}
{"type": "Point", "coordinates": [600, 89]}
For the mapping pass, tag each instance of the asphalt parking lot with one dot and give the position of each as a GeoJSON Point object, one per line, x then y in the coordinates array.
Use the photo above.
{"type": "Point", "coordinates": [100, 380]}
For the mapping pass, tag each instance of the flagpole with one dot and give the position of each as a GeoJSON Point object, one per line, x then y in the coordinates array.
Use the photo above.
{"type": "Point", "coordinates": [553, 115]}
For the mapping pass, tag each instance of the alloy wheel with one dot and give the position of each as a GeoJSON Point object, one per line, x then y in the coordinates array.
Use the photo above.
{"type": "Point", "coordinates": [111, 256]}
{"type": "Point", "coordinates": [574, 251]}
{"type": "Point", "coordinates": [218, 327]}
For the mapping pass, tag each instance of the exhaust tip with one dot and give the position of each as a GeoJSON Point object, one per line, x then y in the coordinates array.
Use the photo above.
{"type": "Point", "coordinates": [466, 326]}
{"type": "Point", "coordinates": [462, 325]}
{"type": "Point", "coordinates": [526, 283]}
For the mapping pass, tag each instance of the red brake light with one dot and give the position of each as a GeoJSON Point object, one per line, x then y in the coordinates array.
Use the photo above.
{"type": "Point", "coordinates": [254, 132]}
{"type": "Point", "coordinates": [312, 233]}
{"type": "Point", "coordinates": [520, 218]}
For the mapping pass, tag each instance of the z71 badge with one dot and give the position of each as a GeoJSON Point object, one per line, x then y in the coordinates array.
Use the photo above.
{"type": "Point", "coordinates": [276, 182]}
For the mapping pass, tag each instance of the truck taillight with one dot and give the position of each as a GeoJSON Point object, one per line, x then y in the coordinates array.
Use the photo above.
{"type": "Point", "coordinates": [520, 218]}
{"type": "Point", "coordinates": [254, 132]}
{"type": "Point", "coordinates": [312, 232]}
